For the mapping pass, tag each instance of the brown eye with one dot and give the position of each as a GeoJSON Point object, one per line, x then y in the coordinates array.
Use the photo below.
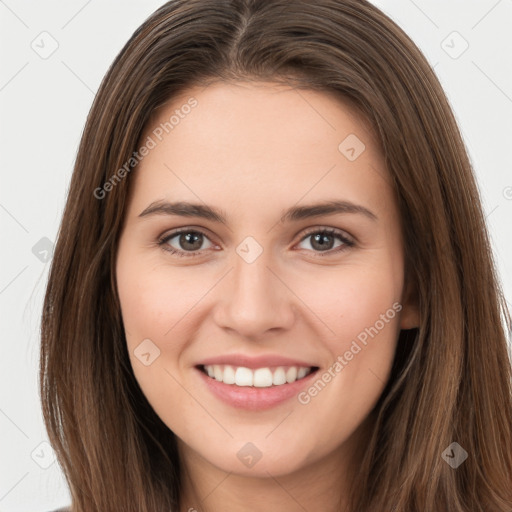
{"type": "Point", "coordinates": [184, 241]}
{"type": "Point", "coordinates": [323, 240]}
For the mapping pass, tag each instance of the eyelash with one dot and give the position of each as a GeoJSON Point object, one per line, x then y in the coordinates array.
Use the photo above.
{"type": "Point", "coordinates": [347, 243]}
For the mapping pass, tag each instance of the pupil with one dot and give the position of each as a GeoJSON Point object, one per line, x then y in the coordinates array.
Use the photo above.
{"type": "Point", "coordinates": [191, 238]}
{"type": "Point", "coordinates": [322, 245]}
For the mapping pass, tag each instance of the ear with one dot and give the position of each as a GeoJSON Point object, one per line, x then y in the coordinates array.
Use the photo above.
{"type": "Point", "coordinates": [410, 315]}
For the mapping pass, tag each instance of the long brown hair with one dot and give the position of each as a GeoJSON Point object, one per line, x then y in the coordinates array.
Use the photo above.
{"type": "Point", "coordinates": [451, 379]}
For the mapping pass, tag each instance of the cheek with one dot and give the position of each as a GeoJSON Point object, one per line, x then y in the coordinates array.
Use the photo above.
{"type": "Point", "coordinates": [369, 325]}
{"type": "Point", "coordinates": [156, 304]}
{"type": "Point", "coordinates": [351, 299]}
{"type": "Point", "coordinates": [362, 307]}
{"type": "Point", "coordinates": [155, 300]}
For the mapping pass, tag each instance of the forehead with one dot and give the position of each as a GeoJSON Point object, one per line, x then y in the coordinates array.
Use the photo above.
{"type": "Point", "coordinates": [247, 141]}
{"type": "Point", "coordinates": [260, 106]}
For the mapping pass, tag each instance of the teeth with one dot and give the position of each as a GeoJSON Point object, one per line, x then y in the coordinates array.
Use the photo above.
{"type": "Point", "coordinates": [301, 373]}
{"type": "Point", "coordinates": [229, 376]}
{"type": "Point", "coordinates": [217, 372]}
{"type": "Point", "coordinates": [243, 377]}
{"type": "Point", "coordinates": [279, 377]}
{"type": "Point", "coordinates": [259, 378]}
{"type": "Point", "coordinates": [291, 374]}
{"type": "Point", "coordinates": [262, 378]}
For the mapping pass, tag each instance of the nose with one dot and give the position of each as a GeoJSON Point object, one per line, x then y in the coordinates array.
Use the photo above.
{"type": "Point", "coordinates": [255, 299]}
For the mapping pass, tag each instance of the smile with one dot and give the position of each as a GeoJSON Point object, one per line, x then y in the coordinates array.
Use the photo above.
{"type": "Point", "coordinates": [257, 388]}
{"type": "Point", "coordinates": [259, 377]}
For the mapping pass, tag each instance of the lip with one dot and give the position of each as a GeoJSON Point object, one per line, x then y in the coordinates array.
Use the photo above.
{"type": "Point", "coordinates": [251, 398]}
{"type": "Point", "coordinates": [254, 362]}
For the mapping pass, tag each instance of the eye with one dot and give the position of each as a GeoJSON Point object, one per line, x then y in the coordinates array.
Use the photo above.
{"type": "Point", "coordinates": [322, 240]}
{"type": "Point", "coordinates": [188, 242]}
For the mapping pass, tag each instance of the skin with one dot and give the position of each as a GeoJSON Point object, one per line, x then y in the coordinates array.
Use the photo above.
{"type": "Point", "coordinates": [253, 150]}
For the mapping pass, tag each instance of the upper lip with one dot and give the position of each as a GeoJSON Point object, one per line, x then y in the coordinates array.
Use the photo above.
{"type": "Point", "coordinates": [253, 362]}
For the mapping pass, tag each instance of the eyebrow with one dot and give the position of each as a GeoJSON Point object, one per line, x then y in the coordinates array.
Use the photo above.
{"type": "Point", "coordinates": [293, 214]}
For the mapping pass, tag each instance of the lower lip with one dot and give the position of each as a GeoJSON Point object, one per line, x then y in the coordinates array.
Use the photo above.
{"type": "Point", "coordinates": [252, 398]}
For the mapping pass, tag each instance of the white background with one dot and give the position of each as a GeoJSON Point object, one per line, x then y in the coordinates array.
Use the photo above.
{"type": "Point", "coordinates": [43, 107]}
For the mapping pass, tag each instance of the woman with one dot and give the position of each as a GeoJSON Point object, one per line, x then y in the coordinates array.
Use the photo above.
{"type": "Point", "coordinates": [334, 337]}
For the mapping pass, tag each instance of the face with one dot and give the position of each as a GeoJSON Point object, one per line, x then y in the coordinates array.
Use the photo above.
{"type": "Point", "coordinates": [284, 281]}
